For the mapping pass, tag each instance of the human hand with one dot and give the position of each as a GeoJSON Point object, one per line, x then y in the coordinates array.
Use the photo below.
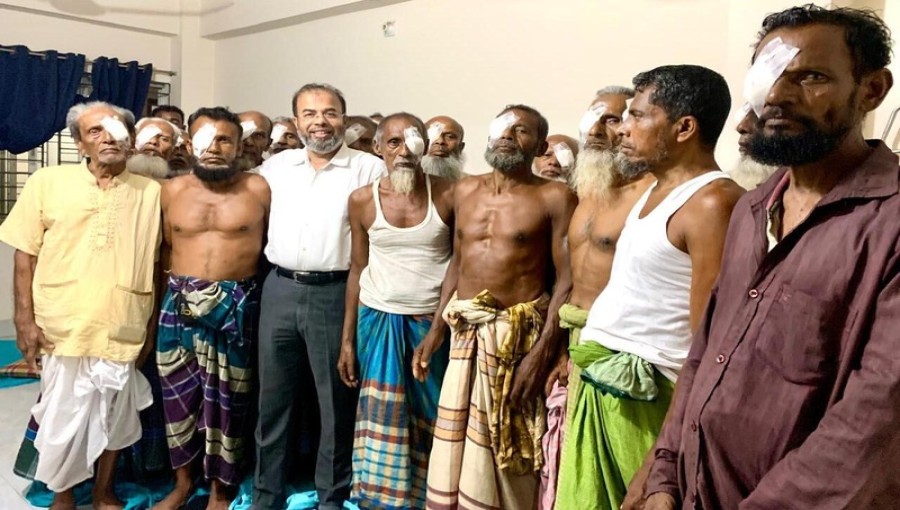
{"type": "Point", "coordinates": [422, 354]}
{"type": "Point", "coordinates": [559, 372]}
{"type": "Point", "coordinates": [529, 377]}
{"type": "Point", "coordinates": [30, 340]}
{"type": "Point", "coordinates": [660, 501]}
{"type": "Point", "coordinates": [347, 364]}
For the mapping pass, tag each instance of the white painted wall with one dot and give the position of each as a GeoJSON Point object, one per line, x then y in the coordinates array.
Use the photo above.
{"type": "Point", "coordinates": [47, 31]}
{"type": "Point", "coordinates": [468, 58]}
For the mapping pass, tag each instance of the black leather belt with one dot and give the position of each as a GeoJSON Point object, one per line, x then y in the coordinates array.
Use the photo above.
{"type": "Point", "coordinates": [312, 277]}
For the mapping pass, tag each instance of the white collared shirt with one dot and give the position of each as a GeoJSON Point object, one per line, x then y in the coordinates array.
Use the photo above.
{"type": "Point", "coordinates": [309, 227]}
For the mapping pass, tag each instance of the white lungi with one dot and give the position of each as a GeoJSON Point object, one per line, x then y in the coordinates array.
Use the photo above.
{"type": "Point", "coordinates": [87, 405]}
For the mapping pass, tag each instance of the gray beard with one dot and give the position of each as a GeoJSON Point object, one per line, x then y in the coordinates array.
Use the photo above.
{"type": "Point", "coordinates": [749, 174]}
{"type": "Point", "coordinates": [326, 146]}
{"type": "Point", "coordinates": [448, 168]}
{"type": "Point", "coordinates": [595, 173]}
{"type": "Point", "coordinates": [505, 162]}
{"type": "Point", "coordinates": [403, 180]}
{"type": "Point", "coordinates": [153, 167]}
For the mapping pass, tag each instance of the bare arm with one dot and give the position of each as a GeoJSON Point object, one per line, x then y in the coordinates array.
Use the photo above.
{"type": "Point", "coordinates": [532, 372]}
{"type": "Point", "coordinates": [705, 241]}
{"type": "Point", "coordinates": [29, 337]}
{"type": "Point", "coordinates": [359, 259]}
{"type": "Point", "coordinates": [438, 331]}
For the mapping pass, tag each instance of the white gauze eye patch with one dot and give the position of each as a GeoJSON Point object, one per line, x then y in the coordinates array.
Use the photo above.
{"type": "Point", "coordinates": [765, 71]}
{"type": "Point", "coordinates": [249, 128]}
{"type": "Point", "coordinates": [435, 131]}
{"type": "Point", "coordinates": [277, 132]}
{"type": "Point", "coordinates": [590, 117]}
{"type": "Point", "coordinates": [563, 155]}
{"type": "Point", "coordinates": [115, 128]}
{"type": "Point", "coordinates": [179, 141]}
{"type": "Point", "coordinates": [742, 112]}
{"type": "Point", "coordinates": [202, 139]}
{"type": "Point", "coordinates": [145, 135]}
{"type": "Point", "coordinates": [353, 133]}
{"type": "Point", "coordinates": [625, 114]}
{"type": "Point", "coordinates": [500, 125]}
{"type": "Point", "coordinates": [414, 141]}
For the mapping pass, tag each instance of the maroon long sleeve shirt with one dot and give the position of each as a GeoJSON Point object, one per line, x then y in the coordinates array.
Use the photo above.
{"type": "Point", "coordinates": [790, 397]}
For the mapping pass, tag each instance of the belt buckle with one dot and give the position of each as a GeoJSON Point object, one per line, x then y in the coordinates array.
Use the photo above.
{"type": "Point", "coordinates": [299, 275]}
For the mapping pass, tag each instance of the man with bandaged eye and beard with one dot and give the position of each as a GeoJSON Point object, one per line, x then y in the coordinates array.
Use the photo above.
{"type": "Point", "coordinates": [748, 172]}
{"type": "Point", "coordinates": [214, 220]}
{"type": "Point", "coordinates": [605, 196]}
{"type": "Point", "coordinates": [401, 241]}
{"type": "Point", "coordinates": [445, 156]}
{"type": "Point", "coordinates": [360, 134]}
{"type": "Point", "coordinates": [154, 146]}
{"type": "Point", "coordinates": [557, 161]}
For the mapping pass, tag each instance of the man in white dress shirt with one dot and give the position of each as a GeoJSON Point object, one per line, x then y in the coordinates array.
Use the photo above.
{"type": "Point", "coordinates": [302, 307]}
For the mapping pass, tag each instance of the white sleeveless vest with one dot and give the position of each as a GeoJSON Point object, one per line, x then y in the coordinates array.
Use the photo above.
{"type": "Point", "coordinates": [406, 265]}
{"type": "Point", "coordinates": [646, 306]}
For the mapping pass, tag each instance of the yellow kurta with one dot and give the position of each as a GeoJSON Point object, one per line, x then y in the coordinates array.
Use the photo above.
{"type": "Point", "coordinates": [95, 248]}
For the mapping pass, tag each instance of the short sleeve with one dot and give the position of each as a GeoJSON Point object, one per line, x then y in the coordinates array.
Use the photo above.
{"type": "Point", "coordinates": [23, 228]}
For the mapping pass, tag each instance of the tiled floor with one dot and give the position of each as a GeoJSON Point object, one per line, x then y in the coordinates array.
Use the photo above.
{"type": "Point", "coordinates": [15, 404]}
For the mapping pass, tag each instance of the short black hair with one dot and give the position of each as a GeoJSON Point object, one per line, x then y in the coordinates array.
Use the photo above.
{"type": "Point", "coordinates": [401, 115]}
{"type": "Point", "coordinates": [689, 90]}
{"type": "Point", "coordinates": [166, 108]}
{"type": "Point", "coordinates": [867, 36]}
{"type": "Point", "coordinates": [543, 125]}
{"type": "Point", "coordinates": [216, 113]}
{"type": "Point", "coordinates": [309, 87]}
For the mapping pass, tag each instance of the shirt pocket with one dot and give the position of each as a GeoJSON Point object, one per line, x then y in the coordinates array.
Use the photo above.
{"type": "Point", "coordinates": [794, 337]}
{"type": "Point", "coordinates": [131, 310]}
{"type": "Point", "coordinates": [55, 307]}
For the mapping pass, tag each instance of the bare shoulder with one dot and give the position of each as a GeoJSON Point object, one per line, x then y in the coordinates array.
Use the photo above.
{"type": "Point", "coordinates": [717, 197]}
{"type": "Point", "coordinates": [361, 196]}
{"type": "Point", "coordinates": [172, 187]}
{"type": "Point", "coordinates": [258, 185]}
{"type": "Point", "coordinates": [468, 185]}
{"type": "Point", "coordinates": [442, 189]}
{"type": "Point", "coordinates": [558, 196]}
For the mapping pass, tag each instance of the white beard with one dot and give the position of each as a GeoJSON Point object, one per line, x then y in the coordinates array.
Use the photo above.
{"type": "Point", "coordinates": [448, 168]}
{"type": "Point", "coordinates": [403, 180]}
{"type": "Point", "coordinates": [749, 174]}
{"type": "Point", "coordinates": [153, 167]}
{"type": "Point", "coordinates": [594, 174]}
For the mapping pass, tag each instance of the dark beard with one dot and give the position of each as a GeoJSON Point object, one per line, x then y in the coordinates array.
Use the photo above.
{"type": "Point", "coordinates": [506, 162]}
{"type": "Point", "coordinates": [216, 174]}
{"type": "Point", "coordinates": [791, 150]}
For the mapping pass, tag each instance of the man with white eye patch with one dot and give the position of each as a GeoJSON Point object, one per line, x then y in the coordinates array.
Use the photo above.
{"type": "Point", "coordinates": [303, 297]}
{"type": "Point", "coordinates": [256, 137]}
{"type": "Point", "coordinates": [445, 156]}
{"type": "Point", "coordinates": [360, 134]}
{"type": "Point", "coordinates": [508, 277]}
{"type": "Point", "coordinates": [154, 146]}
{"type": "Point", "coordinates": [558, 160]}
{"type": "Point", "coordinates": [214, 221]}
{"type": "Point", "coordinates": [605, 196]}
{"type": "Point", "coordinates": [401, 229]}
{"type": "Point", "coordinates": [86, 239]}
{"type": "Point", "coordinates": [284, 136]}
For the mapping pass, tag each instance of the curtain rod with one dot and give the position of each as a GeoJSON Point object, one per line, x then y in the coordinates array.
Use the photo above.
{"type": "Point", "coordinates": [86, 61]}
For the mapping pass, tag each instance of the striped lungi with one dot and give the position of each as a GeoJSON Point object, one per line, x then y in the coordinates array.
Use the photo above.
{"type": "Point", "coordinates": [207, 331]}
{"type": "Point", "coordinates": [396, 413]}
{"type": "Point", "coordinates": [487, 455]}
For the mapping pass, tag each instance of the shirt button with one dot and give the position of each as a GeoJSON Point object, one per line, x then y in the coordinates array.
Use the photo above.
{"type": "Point", "coordinates": [693, 426]}
{"type": "Point", "coordinates": [753, 293]}
{"type": "Point", "coordinates": [720, 359]}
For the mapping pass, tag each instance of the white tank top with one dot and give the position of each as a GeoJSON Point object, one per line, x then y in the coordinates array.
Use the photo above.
{"type": "Point", "coordinates": [406, 265]}
{"type": "Point", "coordinates": [645, 308]}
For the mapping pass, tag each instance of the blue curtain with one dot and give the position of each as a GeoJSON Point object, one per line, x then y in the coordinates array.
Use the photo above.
{"type": "Point", "coordinates": [122, 85]}
{"type": "Point", "coordinates": [36, 91]}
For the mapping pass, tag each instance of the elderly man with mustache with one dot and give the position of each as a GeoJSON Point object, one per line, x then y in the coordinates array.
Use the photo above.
{"type": "Point", "coordinates": [402, 239]}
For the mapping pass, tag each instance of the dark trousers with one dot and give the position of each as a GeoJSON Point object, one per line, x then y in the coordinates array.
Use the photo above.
{"type": "Point", "coordinates": [300, 329]}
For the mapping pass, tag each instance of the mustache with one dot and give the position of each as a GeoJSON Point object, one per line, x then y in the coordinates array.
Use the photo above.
{"type": "Point", "coordinates": [780, 113]}
{"type": "Point", "coordinates": [503, 144]}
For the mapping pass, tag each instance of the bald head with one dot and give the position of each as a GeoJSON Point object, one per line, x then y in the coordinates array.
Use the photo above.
{"type": "Point", "coordinates": [557, 162]}
{"type": "Point", "coordinates": [255, 141]}
{"type": "Point", "coordinates": [446, 135]}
